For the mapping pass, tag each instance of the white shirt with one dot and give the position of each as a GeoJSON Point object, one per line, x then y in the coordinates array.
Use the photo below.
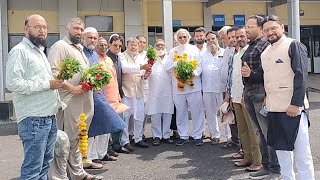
{"type": "Point", "coordinates": [211, 71]}
{"type": "Point", "coordinates": [160, 93]}
{"type": "Point", "coordinates": [237, 84]}
{"type": "Point", "coordinates": [193, 54]}
{"type": "Point", "coordinates": [204, 48]}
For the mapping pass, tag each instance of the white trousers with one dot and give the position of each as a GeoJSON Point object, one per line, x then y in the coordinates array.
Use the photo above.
{"type": "Point", "coordinates": [98, 147]}
{"type": "Point", "coordinates": [137, 111]}
{"type": "Point", "coordinates": [160, 125]}
{"type": "Point", "coordinates": [302, 153]}
{"type": "Point", "coordinates": [195, 102]}
{"type": "Point", "coordinates": [212, 102]}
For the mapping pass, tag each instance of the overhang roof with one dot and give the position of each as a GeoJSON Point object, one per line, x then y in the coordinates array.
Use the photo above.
{"type": "Point", "coordinates": [273, 2]}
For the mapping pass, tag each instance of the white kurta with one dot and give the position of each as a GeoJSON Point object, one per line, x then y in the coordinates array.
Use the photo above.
{"type": "Point", "coordinates": [160, 93]}
{"type": "Point", "coordinates": [193, 54]}
{"type": "Point", "coordinates": [211, 71]}
{"type": "Point", "coordinates": [212, 88]}
{"type": "Point", "coordinates": [190, 96]}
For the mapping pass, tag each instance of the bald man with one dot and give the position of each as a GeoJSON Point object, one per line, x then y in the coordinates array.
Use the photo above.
{"type": "Point", "coordinates": [35, 98]}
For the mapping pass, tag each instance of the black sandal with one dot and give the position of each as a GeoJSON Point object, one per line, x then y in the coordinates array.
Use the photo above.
{"type": "Point", "coordinates": [93, 177]}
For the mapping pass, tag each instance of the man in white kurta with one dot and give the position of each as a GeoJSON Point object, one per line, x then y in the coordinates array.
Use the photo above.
{"type": "Point", "coordinates": [212, 60]}
{"type": "Point", "coordinates": [132, 86]}
{"type": "Point", "coordinates": [190, 96]}
{"type": "Point", "coordinates": [160, 102]}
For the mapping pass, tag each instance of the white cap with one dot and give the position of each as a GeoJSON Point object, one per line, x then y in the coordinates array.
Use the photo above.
{"type": "Point", "coordinates": [112, 36]}
{"type": "Point", "coordinates": [90, 30]}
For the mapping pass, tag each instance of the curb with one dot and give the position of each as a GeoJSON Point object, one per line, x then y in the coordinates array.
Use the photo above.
{"type": "Point", "coordinates": [8, 128]}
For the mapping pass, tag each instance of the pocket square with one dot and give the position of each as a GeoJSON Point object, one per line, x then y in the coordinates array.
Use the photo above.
{"type": "Point", "coordinates": [279, 61]}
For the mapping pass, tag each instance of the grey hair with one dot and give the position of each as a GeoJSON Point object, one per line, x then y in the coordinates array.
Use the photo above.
{"type": "Point", "coordinates": [224, 30]}
{"type": "Point", "coordinates": [74, 20]}
{"type": "Point", "coordinates": [182, 31]}
{"type": "Point", "coordinates": [132, 39]}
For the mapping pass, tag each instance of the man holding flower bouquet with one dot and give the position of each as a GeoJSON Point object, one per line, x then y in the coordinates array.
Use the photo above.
{"type": "Point", "coordinates": [185, 68]}
{"type": "Point", "coordinates": [132, 86]}
{"type": "Point", "coordinates": [78, 100]}
{"type": "Point", "coordinates": [105, 119]}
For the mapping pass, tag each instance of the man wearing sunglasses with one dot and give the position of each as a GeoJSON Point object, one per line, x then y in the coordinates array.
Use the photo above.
{"type": "Point", "coordinates": [190, 96]}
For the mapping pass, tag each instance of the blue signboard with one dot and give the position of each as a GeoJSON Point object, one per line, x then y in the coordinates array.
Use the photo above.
{"type": "Point", "coordinates": [176, 23]}
{"type": "Point", "coordinates": [219, 20]}
{"type": "Point", "coordinates": [239, 20]}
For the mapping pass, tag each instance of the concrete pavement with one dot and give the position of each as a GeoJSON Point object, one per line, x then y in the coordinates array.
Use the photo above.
{"type": "Point", "coordinates": [166, 162]}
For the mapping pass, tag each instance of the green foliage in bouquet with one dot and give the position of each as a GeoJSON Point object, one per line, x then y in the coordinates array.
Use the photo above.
{"type": "Point", "coordinates": [96, 77]}
{"type": "Point", "coordinates": [184, 71]}
{"type": "Point", "coordinates": [151, 53]}
{"type": "Point", "coordinates": [67, 68]}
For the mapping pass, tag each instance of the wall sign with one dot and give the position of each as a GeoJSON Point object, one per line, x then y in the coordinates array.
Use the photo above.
{"type": "Point", "coordinates": [219, 20]}
{"type": "Point", "coordinates": [239, 20]}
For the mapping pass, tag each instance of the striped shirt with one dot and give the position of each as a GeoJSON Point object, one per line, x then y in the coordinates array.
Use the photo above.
{"type": "Point", "coordinates": [28, 77]}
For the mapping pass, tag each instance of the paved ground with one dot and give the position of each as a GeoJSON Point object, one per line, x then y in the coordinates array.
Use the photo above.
{"type": "Point", "coordinates": [166, 162]}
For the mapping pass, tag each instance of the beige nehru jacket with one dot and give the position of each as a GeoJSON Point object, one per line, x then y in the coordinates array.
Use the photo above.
{"type": "Point", "coordinates": [132, 84]}
{"type": "Point", "coordinates": [278, 75]}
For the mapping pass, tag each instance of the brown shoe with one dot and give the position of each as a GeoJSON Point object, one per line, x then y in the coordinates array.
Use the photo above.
{"type": "Point", "coordinates": [129, 147]}
{"type": "Point", "coordinates": [109, 158]}
{"type": "Point", "coordinates": [242, 163]}
{"type": "Point", "coordinates": [215, 141]}
{"type": "Point", "coordinates": [142, 144]}
{"type": "Point", "coordinates": [113, 153]}
{"type": "Point", "coordinates": [123, 150]}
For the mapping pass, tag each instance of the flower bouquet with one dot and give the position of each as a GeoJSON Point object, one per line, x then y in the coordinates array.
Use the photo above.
{"type": "Point", "coordinates": [67, 68]}
{"type": "Point", "coordinates": [95, 78]}
{"type": "Point", "coordinates": [151, 55]}
{"type": "Point", "coordinates": [184, 70]}
{"type": "Point", "coordinates": [83, 137]}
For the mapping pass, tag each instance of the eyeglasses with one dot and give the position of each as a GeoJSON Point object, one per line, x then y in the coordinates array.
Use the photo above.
{"type": "Point", "coordinates": [273, 29]}
{"type": "Point", "coordinates": [103, 45]}
{"type": "Point", "coordinates": [39, 27]}
{"type": "Point", "coordinates": [184, 37]}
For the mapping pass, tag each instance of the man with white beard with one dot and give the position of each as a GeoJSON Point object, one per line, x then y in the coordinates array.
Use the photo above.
{"type": "Point", "coordinates": [160, 102]}
{"type": "Point", "coordinates": [132, 86]}
{"type": "Point", "coordinates": [212, 60]}
{"type": "Point", "coordinates": [190, 95]}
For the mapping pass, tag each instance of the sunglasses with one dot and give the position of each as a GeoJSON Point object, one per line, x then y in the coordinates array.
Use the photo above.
{"type": "Point", "coordinates": [184, 37]}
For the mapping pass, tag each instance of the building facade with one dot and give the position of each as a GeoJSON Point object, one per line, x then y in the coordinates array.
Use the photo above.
{"type": "Point", "coordinates": [145, 17]}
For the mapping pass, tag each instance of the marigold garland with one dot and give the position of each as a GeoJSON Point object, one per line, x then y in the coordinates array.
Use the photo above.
{"type": "Point", "coordinates": [83, 137]}
{"type": "Point", "coordinates": [183, 71]}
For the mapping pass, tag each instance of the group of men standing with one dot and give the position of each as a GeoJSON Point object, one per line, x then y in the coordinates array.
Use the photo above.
{"type": "Point", "coordinates": [259, 69]}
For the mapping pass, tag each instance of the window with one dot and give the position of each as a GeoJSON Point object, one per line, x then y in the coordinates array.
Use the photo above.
{"type": "Point", "coordinates": [17, 38]}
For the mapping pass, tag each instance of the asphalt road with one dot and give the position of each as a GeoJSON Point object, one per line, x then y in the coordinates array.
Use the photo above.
{"type": "Point", "coordinates": [165, 162]}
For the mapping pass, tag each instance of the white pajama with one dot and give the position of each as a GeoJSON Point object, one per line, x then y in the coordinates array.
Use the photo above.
{"type": "Point", "coordinates": [212, 102]}
{"type": "Point", "coordinates": [160, 125]}
{"type": "Point", "coordinates": [137, 111]}
{"type": "Point", "coordinates": [195, 103]}
{"type": "Point", "coordinates": [98, 147]}
{"type": "Point", "coordinates": [302, 153]}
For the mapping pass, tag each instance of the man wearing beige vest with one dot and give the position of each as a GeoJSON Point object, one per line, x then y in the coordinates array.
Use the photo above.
{"type": "Point", "coordinates": [284, 63]}
{"type": "Point", "coordinates": [132, 86]}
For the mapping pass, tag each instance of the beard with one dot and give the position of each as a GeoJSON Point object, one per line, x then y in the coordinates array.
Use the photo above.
{"type": "Point", "coordinates": [91, 47]}
{"type": "Point", "coordinates": [274, 40]}
{"type": "Point", "coordinates": [133, 54]}
{"type": "Point", "coordinates": [182, 46]}
{"type": "Point", "coordinates": [74, 39]}
{"type": "Point", "coordinates": [37, 40]}
{"type": "Point", "coordinates": [213, 48]}
{"type": "Point", "coordinates": [161, 52]}
{"type": "Point", "coordinates": [200, 41]}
